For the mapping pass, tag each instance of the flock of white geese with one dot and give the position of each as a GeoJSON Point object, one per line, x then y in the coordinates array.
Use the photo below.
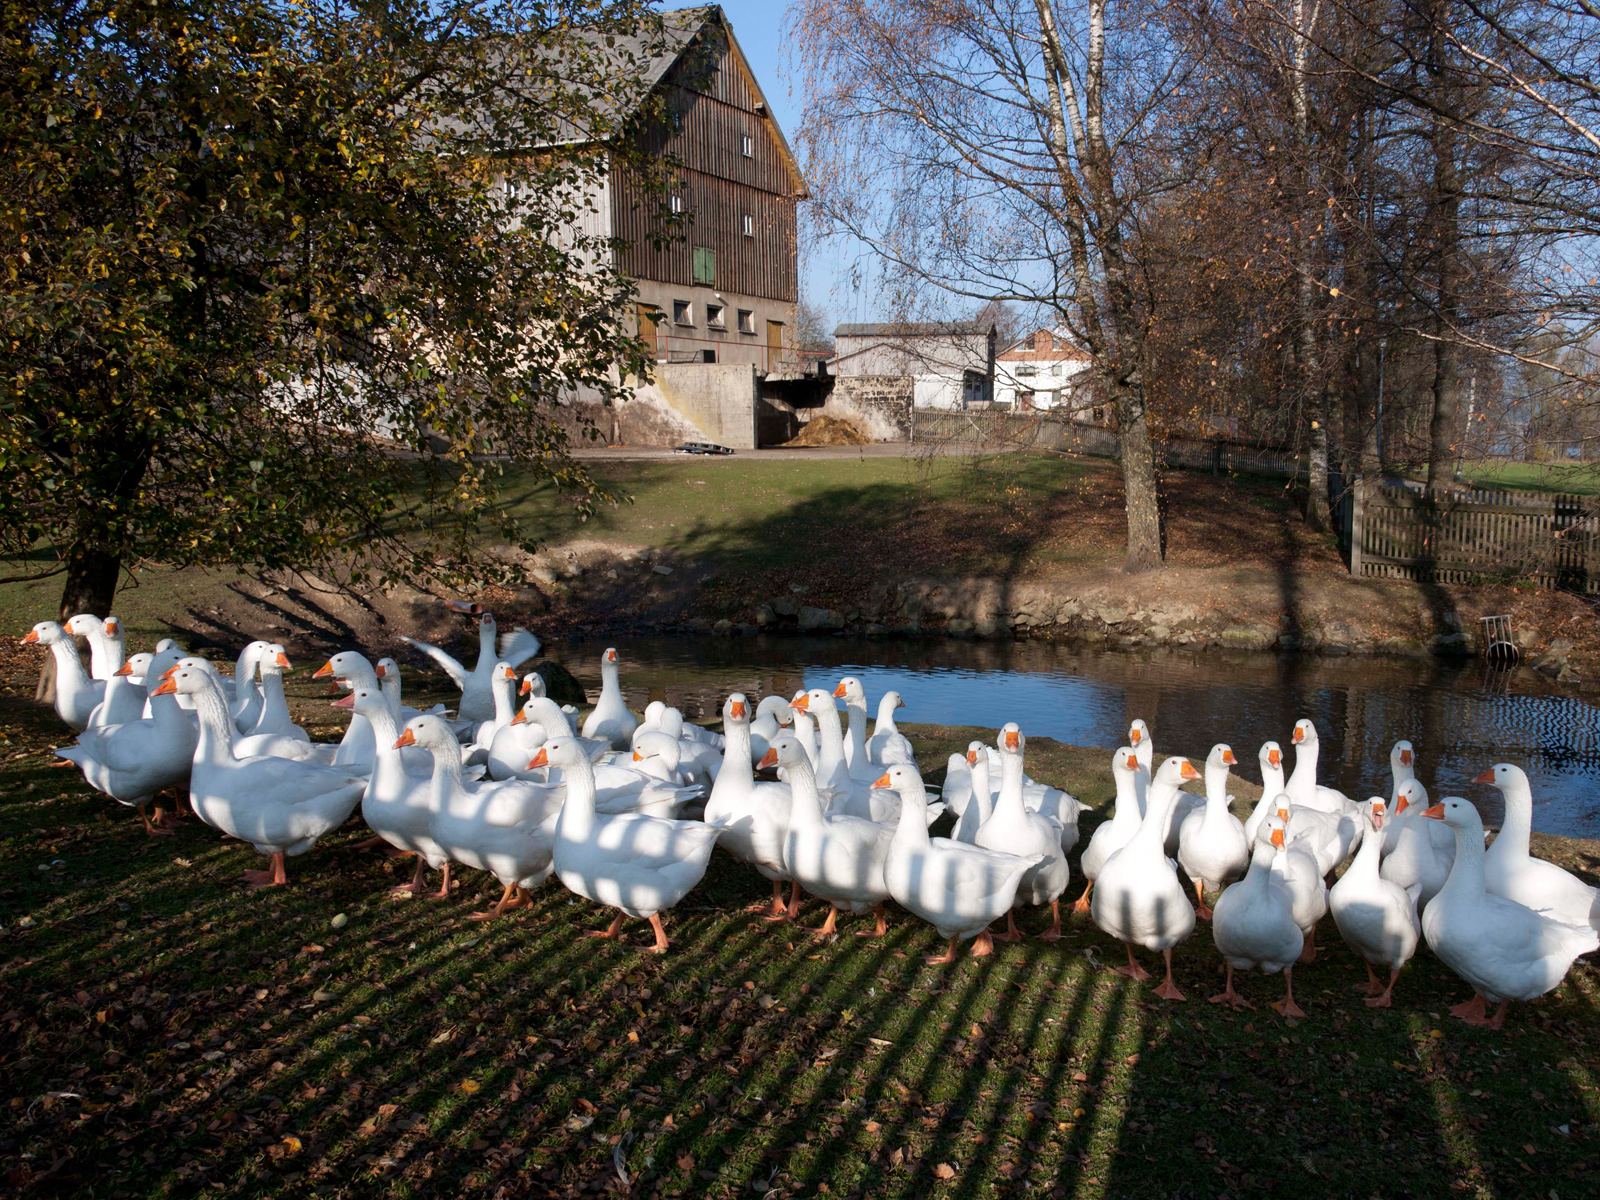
{"type": "Point", "coordinates": [522, 789]}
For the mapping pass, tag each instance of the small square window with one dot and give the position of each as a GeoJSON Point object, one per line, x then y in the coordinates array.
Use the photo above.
{"type": "Point", "coordinates": [748, 145]}
{"type": "Point", "coordinates": [749, 226]}
{"type": "Point", "coordinates": [675, 202]}
{"type": "Point", "coordinates": [714, 316]}
{"type": "Point", "coordinates": [1026, 369]}
{"type": "Point", "coordinates": [747, 321]}
{"type": "Point", "coordinates": [682, 312]}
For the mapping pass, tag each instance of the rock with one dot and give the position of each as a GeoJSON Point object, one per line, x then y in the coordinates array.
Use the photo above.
{"type": "Point", "coordinates": [1554, 658]}
{"type": "Point", "coordinates": [798, 589]}
{"type": "Point", "coordinates": [908, 629]}
{"type": "Point", "coordinates": [723, 628]}
{"type": "Point", "coordinates": [1526, 638]}
{"type": "Point", "coordinates": [820, 619]}
{"type": "Point", "coordinates": [1448, 643]}
{"type": "Point", "coordinates": [700, 625]}
{"type": "Point", "coordinates": [786, 606]}
{"type": "Point", "coordinates": [1112, 614]}
{"type": "Point", "coordinates": [874, 630]}
{"type": "Point", "coordinates": [959, 627]}
{"type": "Point", "coordinates": [992, 627]}
{"type": "Point", "coordinates": [340, 920]}
{"type": "Point", "coordinates": [1159, 633]}
{"type": "Point", "coordinates": [1248, 637]}
{"type": "Point", "coordinates": [1335, 649]}
{"type": "Point", "coordinates": [1094, 637]}
{"type": "Point", "coordinates": [766, 615]}
{"type": "Point", "coordinates": [559, 683]}
{"type": "Point", "coordinates": [1400, 645]}
{"type": "Point", "coordinates": [661, 570]}
{"type": "Point", "coordinates": [1567, 675]}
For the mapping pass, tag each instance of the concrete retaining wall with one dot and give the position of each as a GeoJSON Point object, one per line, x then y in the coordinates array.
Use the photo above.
{"type": "Point", "coordinates": [879, 405]}
{"type": "Point", "coordinates": [716, 399]}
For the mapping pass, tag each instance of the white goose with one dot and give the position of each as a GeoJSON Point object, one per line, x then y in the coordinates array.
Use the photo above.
{"type": "Point", "coordinates": [105, 642]}
{"type": "Point", "coordinates": [957, 888]}
{"type": "Point", "coordinates": [773, 717]}
{"type": "Point", "coordinates": [275, 720]}
{"type": "Point", "coordinates": [1271, 760]}
{"type": "Point", "coordinates": [856, 758]}
{"type": "Point", "coordinates": [1505, 950]}
{"type": "Point", "coordinates": [755, 816]}
{"type": "Point", "coordinates": [1402, 769]}
{"type": "Point", "coordinates": [699, 759]}
{"type": "Point", "coordinates": [135, 760]}
{"type": "Point", "coordinates": [805, 732]}
{"type": "Point", "coordinates": [398, 799]}
{"type": "Point", "coordinates": [610, 721]}
{"type": "Point", "coordinates": [279, 806]}
{"type": "Point", "coordinates": [1144, 750]}
{"type": "Point", "coordinates": [1253, 924]}
{"type": "Point", "coordinates": [840, 791]}
{"type": "Point", "coordinates": [388, 673]}
{"type": "Point", "coordinates": [359, 745]}
{"type": "Point", "coordinates": [1376, 917]}
{"type": "Point", "coordinates": [1301, 873]}
{"type": "Point", "coordinates": [507, 829]}
{"type": "Point", "coordinates": [887, 745]}
{"type": "Point", "coordinates": [979, 802]}
{"type": "Point", "coordinates": [503, 684]}
{"type": "Point", "coordinates": [1510, 871]}
{"type": "Point", "coordinates": [1137, 898]}
{"type": "Point", "coordinates": [835, 857]}
{"type": "Point", "coordinates": [1415, 865]}
{"type": "Point", "coordinates": [125, 696]}
{"type": "Point", "coordinates": [242, 692]}
{"type": "Point", "coordinates": [1212, 848]}
{"type": "Point", "coordinates": [1012, 829]}
{"type": "Point", "coordinates": [77, 695]}
{"type": "Point", "coordinates": [1303, 787]}
{"type": "Point", "coordinates": [1111, 836]}
{"type": "Point", "coordinates": [638, 864]}
{"type": "Point", "coordinates": [477, 699]}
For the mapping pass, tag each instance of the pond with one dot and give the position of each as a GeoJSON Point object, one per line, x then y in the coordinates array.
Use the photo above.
{"type": "Point", "coordinates": [1462, 715]}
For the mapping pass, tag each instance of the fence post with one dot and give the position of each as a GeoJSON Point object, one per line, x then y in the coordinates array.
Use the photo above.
{"type": "Point", "coordinates": [1357, 520]}
{"type": "Point", "coordinates": [1216, 457]}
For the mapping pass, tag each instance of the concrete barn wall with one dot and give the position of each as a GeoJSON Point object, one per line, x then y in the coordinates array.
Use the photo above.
{"type": "Point", "coordinates": [879, 405]}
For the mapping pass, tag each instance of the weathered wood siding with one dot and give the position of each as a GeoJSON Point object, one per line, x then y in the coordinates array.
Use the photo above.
{"type": "Point", "coordinates": [719, 185]}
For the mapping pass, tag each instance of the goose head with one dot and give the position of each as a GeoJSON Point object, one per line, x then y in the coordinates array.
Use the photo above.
{"type": "Point", "coordinates": [851, 691]}
{"type": "Point", "coordinates": [652, 713]}
{"type": "Point", "coordinates": [1273, 832]}
{"type": "Point", "coordinates": [672, 722]}
{"type": "Point", "coordinates": [1377, 813]}
{"type": "Point", "coordinates": [1281, 806]}
{"type": "Point", "coordinates": [974, 749]}
{"type": "Point", "coordinates": [736, 710]}
{"type": "Point", "coordinates": [386, 669]}
{"type": "Point", "coordinates": [813, 701]}
{"type": "Point", "coordinates": [112, 627]}
{"type": "Point", "coordinates": [777, 708]}
{"type": "Point", "coordinates": [785, 751]}
{"type": "Point", "coordinates": [1503, 776]}
{"type": "Point", "coordinates": [1305, 733]}
{"type": "Point", "coordinates": [559, 752]}
{"type": "Point", "coordinates": [45, 633]}
{"type": "Point", "coordinates": [890, 701]}
{"type": "Point", "coordinates": [1221, 756]}
{"type": "Point", "coordinates": [1176, 771]}
{"type": "Point", "coordinates": [138, 665]}
{"type": "Point", "coordinates": [1271, 756]}
{"type": "Point", "coordinates": [367, 701]}
{"type": "Point", "coordinates": [187, 677]}
{"type": "Point", "coordinates": [85, 625]}
{"type": "Point", "coordinates": [608, 660]}
{"type": "Point", "coordinates": [427, 731]}
{"type": "Point", "coordinates": [1458, 814]}
{"type": "Point", "coordinates": [1010, 739]}
{"type": "Point", "coordinates": [1411, 795]}
{"type": "Point", "coordinates": [657, 749]}
{"type": "Point", "coordinates": [1124, 762]}
{"type": "Point", "coordinates": [533, 684]}
{"type": "Point", "coordinates": [274, 662]}
{"type": "Point", "coordinates": [1138, 733]}
{"type": "Point", "coordinates": [901, 779]}
{"type": "Point", "coordinates": [349, 665]}
{"type": "Point", "coordinates": [1401, 756]}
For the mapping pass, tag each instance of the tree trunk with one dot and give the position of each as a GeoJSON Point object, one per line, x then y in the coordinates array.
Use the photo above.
{"type": "Point", "coordinates": [91, 586]}
{"type": "Point", "coordinates": [1319, 518]}
{"type": "Point", "coordinates": [1139, 481]}
{"type": "Point", "coordinates": [1443, 426]}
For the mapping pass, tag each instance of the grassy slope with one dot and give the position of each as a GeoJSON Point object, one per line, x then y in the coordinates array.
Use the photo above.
{"type": "Point", "coordinates": [167, 1030]}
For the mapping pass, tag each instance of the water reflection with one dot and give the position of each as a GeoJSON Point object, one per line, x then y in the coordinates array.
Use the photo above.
{"type": "Point", "coordinates": [1461, 716]}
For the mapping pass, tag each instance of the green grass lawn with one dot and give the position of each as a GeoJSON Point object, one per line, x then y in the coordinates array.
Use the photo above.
{"type": "Point", "coordinates": [170, 1033]}
{"type": "Point", "coordinates": [1571, 478]}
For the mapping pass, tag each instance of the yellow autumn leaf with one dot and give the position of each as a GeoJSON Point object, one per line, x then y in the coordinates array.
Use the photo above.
{"type": "Point", "coordinates": [292, 1144]}
{"type": "Point", "coordinates": [469, 1086]}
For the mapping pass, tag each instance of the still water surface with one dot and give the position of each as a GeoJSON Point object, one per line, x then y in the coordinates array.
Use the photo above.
{"type": "Point", "coordinates": [1461, 716]}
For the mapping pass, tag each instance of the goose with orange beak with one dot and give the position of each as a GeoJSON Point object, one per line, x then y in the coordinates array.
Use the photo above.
{"type": "Point", "coordinates": [1505, 950]}
{"type": "Point", "coordinates": [978, 803]}
{"type": "Point", "coordinates": [1376, 917]}
{"type": "Point", "coordinates": [1138, 898]}
{"type": "Point", "coordinates": [1111, 836]}
{"type": "Point", "coordinates": [839, 791]}
{"type": "Point", "coordinates": [280, 806]}
{"type": "Point", "coordinates": [1012, 829]}
{"type": "Point", "coordinates": [1271, 761]}
{"type": "Point", "coordinates": [477, 696]}
{"type": "Point", "coordinates": [1415, 864]}
{"type": "Point", "coordinates": [397, 802]}
{"type": "Point", "coordinates": [1212, 848]}
{"type": "Point", "coordinates": [887, 745]}
{"type": "Point", "coordinates": [105, 642]}
{"type": "Point", "coordinates": [507, 829]}
{"type": "Point", "coordinates": [275, 720]}
{"type": "Point", "coordinates": [133, 762]}
{"type": "Point", "coordinates": [836, 857]}
{"type": "Point", "coordinates": [1402, 769]}
{"type": "Point", "coordinates": [1300, 872]}
{"type": "Point", "coordinates": [77, 695]}
{"type": "Point", "coordinates": [125, 694]}
{"type": "Point", "coordinates": [1254, 927]}
{"type": "Point", "coordinates": [639, 864]}
{"type": "Point", "coordinates": [610, 721]}
{"type": "Point", "coordinates": [1511, 871]}
{"type": "Point", "coordinates": [957, 888]}
{"type": "Point", "coordinates": [756, 814]}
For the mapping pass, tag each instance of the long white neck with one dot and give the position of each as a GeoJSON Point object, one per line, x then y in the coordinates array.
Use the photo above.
{"type": "Point", "coordinates": [1153, 829]}
{"type": "Point", "coordinates": [547, 714]}
{"type": "Point", "coordinates": [1402, 775]}
{"type": "Point", "coordinates": [911, 833]}
{"type": "Point", "coordinates": [1271, 778]}
{"type": "Point", "coordinates": [858, 728]}
{"type": "Point", "coordinates": [1008, 805]}
{"type": "Point", "coordinates": [216, 725]}
{"type": "Point", "coordinates": [486, 653]}
{"type": "Point", "coordinates": [805, 732]}
{"type": "Point", "coordinates": [1365, 866]}
{"type": "Point", "coordinates": [272, 697]}
{"type": "Point", "coordinates": [1216, 789]}
{"type": "Point", "coordinates": [981, 806]}
{"type": "Point", "coordinates": [886, 724]}
{"type": "Point", "coordinates": [1304, 780]}
{"type": "Point", "coordinates": [577, 812]}
{"type": "Point", "coordinates": [830, 736]}
{"type": "Point", "coordinates": [1259, 875]}
{"type": "Point", "coordinates": [388, 771]}
{"type": "Point", "coordinates": [610, 683]}
{"type": "Point", "coordinates": [390, 686]}
{"type": "Point", "coordinates": [69, 667]}
{"type": "Point", "coordinates": [505, 702]}
{"type": "Point", "coordinates": [446, 773]}
{"type": "Point", "coordinates": [1466, 876]}
{"type": "Point", "coordinates": [1126, 810]}
{"type": "Point", "coordinates": [805, 809]}
{"type": "Point", "coordinates": [738, 773]}
{"type": "Point", "coordinates": [1517, 823]}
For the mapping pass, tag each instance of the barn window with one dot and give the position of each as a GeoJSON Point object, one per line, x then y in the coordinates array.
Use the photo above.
{"type": "Point", "coordinates": [747, 321]}
{"type": "Point", "coordinates": [705, 266]}
{"type": "Point", "coordinates": [749, 225]}
{"type": "Point", "coordinates": [675, 202]}
{"type": "Point", "coordinates": [748, 145]}
{"type": "Point", "coordinates": [682, 312]}
{"type": "Point", "coordinates": [714, 316]}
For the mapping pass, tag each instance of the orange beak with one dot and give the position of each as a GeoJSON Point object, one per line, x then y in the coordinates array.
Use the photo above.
{"type": "Point", "coordinates": [736, 710]}
{"type": "Point", "coordinates": [838, 692]}
{"type": "Point", "coordinates": [406, 738]}
{"type": "Point", "coordinates": [1274, 757]}
{"type": "Point", "coordinates": [1227, 757]}
{"type": "Point", "coordinates": [972, 758]}
{"type": "Point", "coordinates": [31, 636]}
{"type": "Point", "coordinates": [111, 628]}
{"type": "Point", "coordinates": [1133, 762]}
{"type": "Point", "coordinates": [1436, 812]}
{"type": "Point", "coordinates": [1405, 758]}
{"type": "Point", "coordinates": [882, 781]}
{"type": "Point", "coordinates": [1299, 735]}
{"type": "Point", "coordinates": [611, 656]}
{"type": "Point", "coordinates": [527, 686]}
{"type": "Point", "coordinates": [382, 670]}
{"type": "Point", "coordinates": [283, 661]}
{"type": "Point", "coordinates": [1188, 771]}
{"type": "Point", "coordinates": [1283, 815]}
{"type": "Point", "coordinates": [344, 701]}
{"type": "Point", "coordinates": [1400, 806]}
{"type": "Point", "coordinates": [769, 759]}
{"type": "Point", "coordinates": [167, 687]}
{"type": "Point", "coordinates": [1134, 735]}
{"type": "Point", "coordinates": [1486, 777]}
{"type": "Point", "coordinates": [1277, 838]}
{"type": "Point", "coordinates": [325, 670]}
{"type": "Point", "coordinates": [637, 757]}
{"type": "Point", "coordinates": [520, 719]}
{"type": "Point", "coordinates": [540, 759]}
{"type": "Point", "coordinates": [1377, 816]}
{"type": "Point", "coordinates": [124, 669]}
{"type": "Point", "coordinates": [169, 672]}
{"type": "Point", "coordinates": [510, 674]}
{"type": "Point", "coordinates": [802, 702]}
{"type": "Point", "coordinates": [1011, 739]}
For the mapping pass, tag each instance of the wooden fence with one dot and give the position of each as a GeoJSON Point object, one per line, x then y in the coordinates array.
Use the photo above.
{"type": "Point", "coordinates": [1473, 536]}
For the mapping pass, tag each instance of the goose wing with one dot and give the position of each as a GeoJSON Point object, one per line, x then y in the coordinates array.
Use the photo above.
{"type": "Point", "coordinates": [518, 646]}
{"type": "Point", "coordinates": [458, 673]}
